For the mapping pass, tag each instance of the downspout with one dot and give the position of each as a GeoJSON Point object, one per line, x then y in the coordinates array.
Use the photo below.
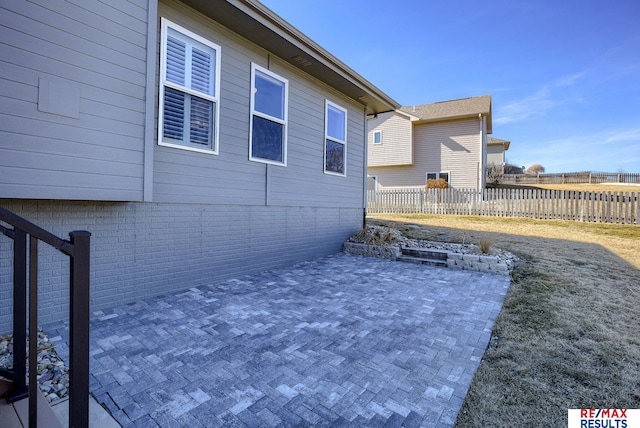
{"type": "Point", "coordinates": [480, 170]}
{"type": "Point", "coordinates": [364, 168]}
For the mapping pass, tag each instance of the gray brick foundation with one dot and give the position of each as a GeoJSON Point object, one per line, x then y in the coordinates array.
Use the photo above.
{"type": "Point", "coordinates": [139, 250]}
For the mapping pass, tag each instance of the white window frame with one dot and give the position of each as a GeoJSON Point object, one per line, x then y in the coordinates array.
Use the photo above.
{"type": "Point", "coordinates": [166, 25]}
{"type": "Point", "coordinates": [284, 122]}
{"type": "Point", "coordinates": [328, 104]}
{"type": "Point", "coordinates": [378, 132]}
{"type": "Point", "coordinates": [438, 175]}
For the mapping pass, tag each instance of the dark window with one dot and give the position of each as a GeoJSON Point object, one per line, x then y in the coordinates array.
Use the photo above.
{"type": "Point", "coordinates": [268, 117]}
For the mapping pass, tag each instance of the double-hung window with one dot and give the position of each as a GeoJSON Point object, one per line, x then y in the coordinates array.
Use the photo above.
{"type": "Point", "coordinates": [335, 141]}
{"type": "Point", "coordinates": [268, 128]}
{"type": "Point", "coordinates": [189, 90]}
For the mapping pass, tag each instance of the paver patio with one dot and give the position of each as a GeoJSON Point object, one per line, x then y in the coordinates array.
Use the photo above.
{"type": "Point", "coordinates": [340, 341]}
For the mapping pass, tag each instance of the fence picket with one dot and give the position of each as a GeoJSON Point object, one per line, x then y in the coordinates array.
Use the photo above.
{"type": "Point", "coordinates": [626, 206]}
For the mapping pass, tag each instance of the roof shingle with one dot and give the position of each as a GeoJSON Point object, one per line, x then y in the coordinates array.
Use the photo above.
{"type": "Point", "coordinates": [452, 109]}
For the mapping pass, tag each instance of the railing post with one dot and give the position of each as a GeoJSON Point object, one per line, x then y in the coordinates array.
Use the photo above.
{"type": "Point", "coordinates": [33, 332]}
{"type": "Point", "coordinates": [79, 330]}
{"type": "Point", "coordinates": [19, 316]}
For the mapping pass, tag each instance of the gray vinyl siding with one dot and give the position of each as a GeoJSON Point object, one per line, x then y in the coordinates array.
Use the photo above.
{"type": "Point", "coordinates": [230, 177]}
{"type": "Point", "coordinates": [145, 249]}
{"type": "Point", "coordinates": [90, 148]}
{"type": "Point", "coordinates": [453, 146]}
{"type": "Point", "coordinates": [208, 217]}
{"type": "Point", "coordinates": [303, 181]}
{"type": "Point", "coordinates": [396, 147]}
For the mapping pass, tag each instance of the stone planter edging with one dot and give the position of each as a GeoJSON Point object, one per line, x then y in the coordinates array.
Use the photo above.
{"type": "Point", "coordinates": [377, 251]}
{"type": "Point", "coordinates": [473, 262]}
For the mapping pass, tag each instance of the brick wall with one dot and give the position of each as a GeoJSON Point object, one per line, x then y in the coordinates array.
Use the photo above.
{"type": "Point", "coordinates": [145, 249]}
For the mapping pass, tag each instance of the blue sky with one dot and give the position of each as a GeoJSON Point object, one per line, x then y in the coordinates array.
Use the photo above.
{"type": "Point", "coordinates": [564, 75]}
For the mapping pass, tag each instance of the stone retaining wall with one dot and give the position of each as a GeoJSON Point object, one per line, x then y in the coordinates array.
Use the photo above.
{"type": "Point", "coordinates": [377, 251]}
{"type": "Point", "coordinates": [474, 262]}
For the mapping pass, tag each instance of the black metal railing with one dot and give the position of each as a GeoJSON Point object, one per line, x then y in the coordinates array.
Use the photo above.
{"type": "Point", "coordinates": [77, 248]}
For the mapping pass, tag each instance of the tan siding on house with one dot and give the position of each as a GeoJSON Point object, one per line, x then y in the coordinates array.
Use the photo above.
{"type": "Point", "coordinates": [396, 176]}
{"type": "Point", "coordinates": [495, 154]}
{"type": "Point", "coordinates": [396, 147]}
{"type": "Point", "coordinates": [454, 146]}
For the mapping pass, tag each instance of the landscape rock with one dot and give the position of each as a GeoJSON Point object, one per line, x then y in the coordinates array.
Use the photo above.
{"type": "Point", "coordinates": [53, 374]}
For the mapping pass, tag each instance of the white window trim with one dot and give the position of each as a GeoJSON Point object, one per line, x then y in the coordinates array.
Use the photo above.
{"type": "Point", "coordinates": [254, 68]}
{"type": "Point", "coordinates": [374, 137]}
{"type": "Point", "coordinates": [165, 25]}
{"type": "Point", "coordinates": [328, 103]}
{"type": "Point", "coordinates": [438, 175]}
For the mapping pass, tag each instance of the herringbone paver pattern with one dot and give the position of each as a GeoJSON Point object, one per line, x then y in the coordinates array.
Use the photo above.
{"type": "Point", "coordinates": [341, 341]}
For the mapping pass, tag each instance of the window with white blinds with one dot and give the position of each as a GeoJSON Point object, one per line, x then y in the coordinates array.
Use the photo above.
{"type": "Point", "coordinates": [189, 99]}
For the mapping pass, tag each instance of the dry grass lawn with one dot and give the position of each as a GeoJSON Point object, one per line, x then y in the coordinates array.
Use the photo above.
{"type": "Point", "coordinates": [568, 335]}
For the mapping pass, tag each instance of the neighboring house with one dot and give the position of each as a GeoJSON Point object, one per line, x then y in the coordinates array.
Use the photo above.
{"type": "Point", "coordinates": [442, 140]}
{"type": "Point", "coordinates": [197, 140]}
{"type": "Point", "coordinates": [496, 149]}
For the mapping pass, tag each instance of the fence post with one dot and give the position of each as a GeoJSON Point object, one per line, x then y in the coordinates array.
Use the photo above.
{"type": "Point", "coordinates": [636, 196]}
{"type": "Point", "coordinates": [79, 330]}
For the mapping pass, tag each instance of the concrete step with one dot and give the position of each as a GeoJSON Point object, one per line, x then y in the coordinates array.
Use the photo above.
{"type": "Point", "coordinates": [425, 253]}
{"type": "Point", "coordinates": [16, 415]}
{"type": "Point", "coordinates": [422, 261]}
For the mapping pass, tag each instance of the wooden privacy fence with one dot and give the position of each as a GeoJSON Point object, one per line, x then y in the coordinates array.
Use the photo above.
{"type": "Point", "coordinates": [572, 178]}
{"type": "Point", "coordinates": [597, 207]}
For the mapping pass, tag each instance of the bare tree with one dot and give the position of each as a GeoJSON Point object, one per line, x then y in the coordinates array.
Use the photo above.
{"type": "Point", "coordinates": [535, 169]}
{"type": "Point", "coordinates": [495, 174]}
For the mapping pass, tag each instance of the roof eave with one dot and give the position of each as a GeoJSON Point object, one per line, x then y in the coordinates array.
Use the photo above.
{"type": "Point", "coordinates": [260, 25]}
{"type": "Point", "coordinates": [498, 142]}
